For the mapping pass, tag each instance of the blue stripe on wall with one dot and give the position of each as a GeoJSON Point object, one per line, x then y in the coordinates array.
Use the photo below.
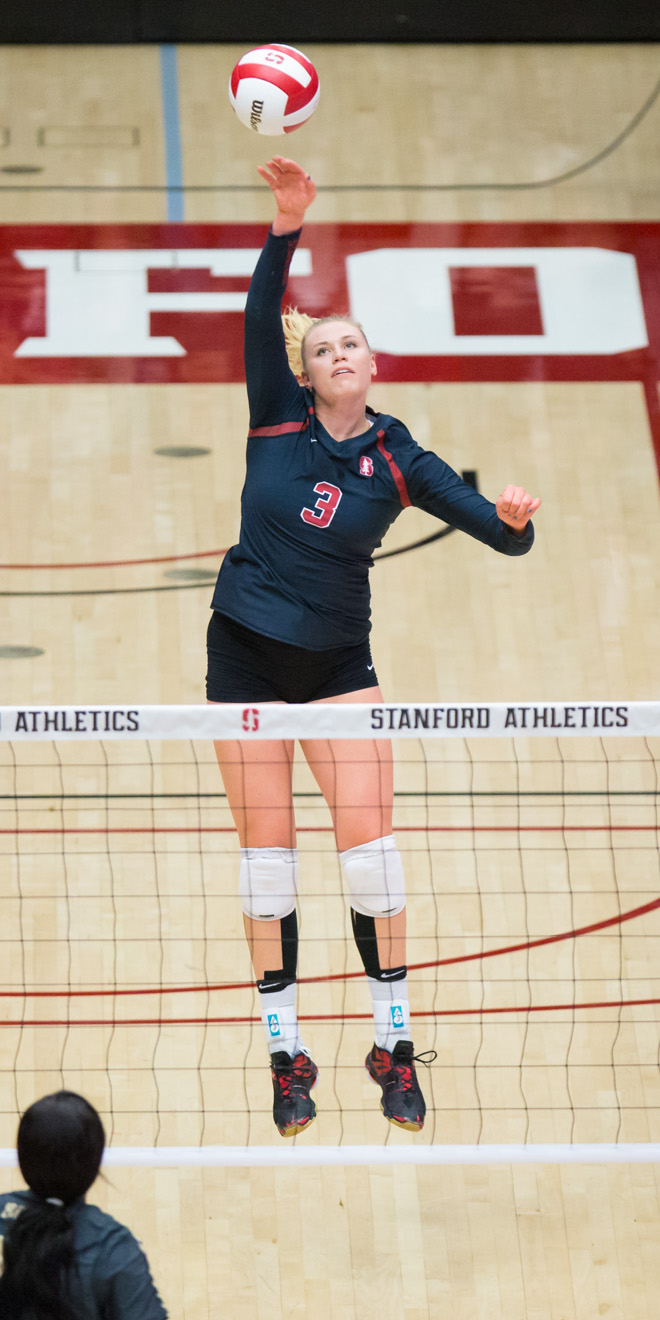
{"type": "Point", "coordinates": [172, 132]}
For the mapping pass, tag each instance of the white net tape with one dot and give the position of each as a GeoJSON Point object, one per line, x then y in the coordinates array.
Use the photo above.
{"type": "Point", "coordinates": [403, 720]}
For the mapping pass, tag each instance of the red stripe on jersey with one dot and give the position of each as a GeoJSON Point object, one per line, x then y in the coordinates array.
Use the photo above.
{"type": "Point", "coordinates": [396, 473]}
{"type": "Point", "coordinates": [283, 428]}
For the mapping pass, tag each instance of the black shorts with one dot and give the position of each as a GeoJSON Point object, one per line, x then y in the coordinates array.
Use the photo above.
{"type": "Point", "coordinates": [244, 666]}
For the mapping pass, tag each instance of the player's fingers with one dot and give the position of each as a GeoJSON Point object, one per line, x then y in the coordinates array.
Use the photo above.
{"type": "Point", "coordinates": [516, 505]}
{"type": "Point", "coordinates": [503, 501]}
{"type": "Point", "coordinates": [273, 180]}
{"type": "Point", "coordinates": [517, 502]}
{"type": "Point", "coordinates": [275, 169]}
{"type": "Point", "coordinates": [288, 166]}
{"type": "Point", "coordinates": [526, 506]}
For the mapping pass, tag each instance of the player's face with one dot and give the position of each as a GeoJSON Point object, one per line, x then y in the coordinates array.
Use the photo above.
{"type": "Point", "coordinates": [338, 361]}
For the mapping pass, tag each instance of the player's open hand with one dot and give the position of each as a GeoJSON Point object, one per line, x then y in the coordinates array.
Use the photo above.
{"type": "Point", "coordinates": [515, 507]}
{"type": "Point", "coordinates": [293, 190]}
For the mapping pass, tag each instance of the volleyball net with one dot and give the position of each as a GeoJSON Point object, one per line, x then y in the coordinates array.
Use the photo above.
{"type": "Point", "coordinates": [529, 834]}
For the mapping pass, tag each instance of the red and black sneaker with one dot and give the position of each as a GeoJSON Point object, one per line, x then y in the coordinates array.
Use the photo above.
{"type": "Point", "coordinates": [402, 1102]}
{"type": "Point", "coordinates": [293, 1107]}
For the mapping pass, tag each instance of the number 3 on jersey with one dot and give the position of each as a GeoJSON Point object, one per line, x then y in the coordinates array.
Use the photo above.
{"type": "Point", "coordinates": [327, 505]}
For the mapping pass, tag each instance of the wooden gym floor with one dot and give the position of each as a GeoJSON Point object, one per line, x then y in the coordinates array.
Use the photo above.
{"type": "Point", "coordinates": [578, 619]}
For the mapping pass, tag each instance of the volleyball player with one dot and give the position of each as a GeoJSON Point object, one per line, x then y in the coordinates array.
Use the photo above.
{"type": "Point", "coordinates": [62, 1257]}
{"type": "Point", "coordinates": [326, 476]}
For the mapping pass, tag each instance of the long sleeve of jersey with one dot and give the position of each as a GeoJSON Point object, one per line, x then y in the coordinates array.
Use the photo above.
{"type": "Point", "coordinates": [271, 385]}
{"type": "Point", "coordinates": [433, 485]}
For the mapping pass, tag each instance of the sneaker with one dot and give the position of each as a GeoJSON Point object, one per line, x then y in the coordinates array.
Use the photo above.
{"type": "Point", "coordinates": [402, 1102]}
{"type": "Point", "coordinates": [293, 1108]}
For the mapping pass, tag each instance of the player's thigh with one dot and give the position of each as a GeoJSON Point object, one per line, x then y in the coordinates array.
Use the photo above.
{"type": "Point", "coordinates": [355, 776]}
{"type": "Point", "coordinates": [257, 778]}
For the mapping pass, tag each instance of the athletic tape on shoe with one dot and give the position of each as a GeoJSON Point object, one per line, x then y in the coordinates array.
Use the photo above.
{"type": "Point", "coordinates": [375, 879]}
{"type": "Point", "coordinates": [267, 882]}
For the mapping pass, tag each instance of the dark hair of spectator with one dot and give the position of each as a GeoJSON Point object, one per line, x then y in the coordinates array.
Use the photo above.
{"type": "Point", "coordinates": [60, 1147]}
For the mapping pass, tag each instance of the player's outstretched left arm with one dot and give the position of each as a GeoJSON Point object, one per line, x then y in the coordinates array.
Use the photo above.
{"type": "Point", "coordinates": [293, 190]}
{"type": "Point", "coordinates": [515, 507]}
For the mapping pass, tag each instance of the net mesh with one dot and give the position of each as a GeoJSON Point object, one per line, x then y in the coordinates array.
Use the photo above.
{"type": "Point", "coordinates": [533, 875]}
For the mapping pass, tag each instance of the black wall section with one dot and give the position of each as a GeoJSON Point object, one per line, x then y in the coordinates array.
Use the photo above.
{"type": "Point", "coordinates": [303, 21]}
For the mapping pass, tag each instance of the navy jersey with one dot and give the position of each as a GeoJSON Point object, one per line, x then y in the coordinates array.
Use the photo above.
{"type": "Point", "coordinates": [314, 509]}
{"type": "Point", "coordinates": [112, 1280]}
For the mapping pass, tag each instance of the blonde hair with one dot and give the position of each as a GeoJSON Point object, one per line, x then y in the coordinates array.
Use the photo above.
{"type": "Point", "coordinates": [297, 326]}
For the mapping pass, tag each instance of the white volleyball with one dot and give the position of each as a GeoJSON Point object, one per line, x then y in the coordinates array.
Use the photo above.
{"type": "Point", "coordinates": [274, 89]}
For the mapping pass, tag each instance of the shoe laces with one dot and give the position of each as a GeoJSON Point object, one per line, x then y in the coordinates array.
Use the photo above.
{"type": "Point", "coordinates": [405, 1072]}
{"type": "Point", "coordinates": [427, 1057]}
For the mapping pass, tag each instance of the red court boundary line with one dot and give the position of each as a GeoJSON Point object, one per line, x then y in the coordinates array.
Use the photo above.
{"type": "Point", "coordinates": [122, 563]}
{"type": "Point", "coordinates": [328, 829]}
{"type": "Point", "coordinates": [323, 1017]}
{"type": "Point", "coordinates": [617, 920]}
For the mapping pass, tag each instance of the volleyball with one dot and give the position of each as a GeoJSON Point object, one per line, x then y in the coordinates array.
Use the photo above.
{"type": "Point", "coordinates": [274, 89]}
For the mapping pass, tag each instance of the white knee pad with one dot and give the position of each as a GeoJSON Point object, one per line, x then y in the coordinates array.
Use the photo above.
{"type": "Point", "coordinates": [267, 882]}
{"type": "Point", "coordinates": [374, 875]}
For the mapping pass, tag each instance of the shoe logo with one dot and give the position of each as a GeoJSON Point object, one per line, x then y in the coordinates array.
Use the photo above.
{"type": "Point", "coordinates": [396, 1013]}
{"type": "Point", "coordinates": [274, 1024]}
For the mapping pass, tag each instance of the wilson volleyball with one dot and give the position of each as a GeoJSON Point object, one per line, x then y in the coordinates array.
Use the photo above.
{"type": "Point", "coordinates": [274, 89]}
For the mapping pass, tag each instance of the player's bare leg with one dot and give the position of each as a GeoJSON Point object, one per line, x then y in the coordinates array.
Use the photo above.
{"type": "Point", "coordinates": [257, 779]}
{"type": "Point", "coordinates": [356, 779]}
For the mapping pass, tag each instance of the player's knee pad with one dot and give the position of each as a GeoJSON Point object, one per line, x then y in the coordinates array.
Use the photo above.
{"type": "Point", "coordinates": [374, 875]}
{"type": "Point", "coordinates": [267, 882]}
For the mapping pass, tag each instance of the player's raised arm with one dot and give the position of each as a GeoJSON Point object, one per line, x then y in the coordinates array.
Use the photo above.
{"type": "Point", "coordinates": [293, 190]}
{"type": "Point", "coordinates": [273, 390]}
